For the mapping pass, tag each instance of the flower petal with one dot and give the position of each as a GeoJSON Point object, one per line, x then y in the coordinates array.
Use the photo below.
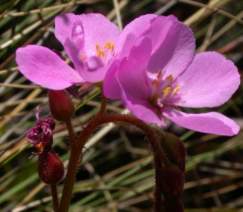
{"type": "Point", "coordinates": [87, 34]}
{"type": "Point", "coordinates": [142, 110]}
{"type": "Point", "coordinates": [93, 28]}
{"type": "Point", "coordinates": [133, 81]}
{"type": "Point", "coordinates": [64, 26]}
{"type": "Point", "coordinates": [97, 30]}
{"type": "Point", "coordinates": [84, 69]}
{"type": "Point", "coordinates": [212, 122]}
{"type": "Point", "coordinates": [132, 32]}
{"type": "Point", "coordinates": [111, 87]}
{"type": "Point", "coordinates": [129, 73]}
{"type": "Point", "coordinates": [209, 81]}
{"type": "Point", "coordinates": [173, 46]}
{"type": "Point", "coordinates": [132, 74]}
{"type": "Point", "coordinates": [43, 67]}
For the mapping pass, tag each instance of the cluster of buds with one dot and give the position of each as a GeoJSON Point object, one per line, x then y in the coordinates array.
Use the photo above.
{"type": "Point", "coordinates": [50, 167]}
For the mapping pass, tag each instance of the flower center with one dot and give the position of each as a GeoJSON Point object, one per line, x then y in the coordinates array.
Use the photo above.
{"type": "Point", "coordinates": [105, 50]}
{"type": "Point", "coordinates": [92, 56]}
{"type": "Point", "coordinates": [165, 91]}
{"type": "Point", "coordinates": [100, 56]}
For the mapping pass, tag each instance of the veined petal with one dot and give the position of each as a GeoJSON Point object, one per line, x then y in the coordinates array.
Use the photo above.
{"type": "Point", "coordinates": [173, 46]}
{"type": "Point", "coordinates": [43, 67]}
{"type": "Point", "coordinates": [209, 81]}
{"type": "Point", "coordinates": [212, 122]}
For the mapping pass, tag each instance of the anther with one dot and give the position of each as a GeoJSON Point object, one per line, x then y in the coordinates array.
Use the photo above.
{"type": "Point", "coordinates": [169, 78]}
{"type": "Point", "coordinates": [176, 89]}
{"type": "Point", "coordinates": [109, 45]}
{"type": "Point", "coordinates": [166, 91]}
{"type": "Point", "coordinates": [99, 52]}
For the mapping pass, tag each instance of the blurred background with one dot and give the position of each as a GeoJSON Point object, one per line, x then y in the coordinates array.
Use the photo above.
{"type": "Point", "coordinates": [117, 170]}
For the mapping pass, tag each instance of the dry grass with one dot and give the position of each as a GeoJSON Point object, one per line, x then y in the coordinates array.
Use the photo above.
{"type": "Point", "coordinates": [117, 173]}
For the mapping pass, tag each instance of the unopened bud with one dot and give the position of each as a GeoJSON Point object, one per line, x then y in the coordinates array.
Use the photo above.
{"type": "Point", "coordinates": [50, 168]}
{"type": "Point", "coordinates": [61, 105]}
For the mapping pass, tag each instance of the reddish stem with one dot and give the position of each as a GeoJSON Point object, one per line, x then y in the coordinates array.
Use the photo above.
{"type": "Point", "coordinates": [54, 197]}
{"type": "Point", "coordinates": [159, 155]}
{"type": "Point", "coordinates": [70, 132]}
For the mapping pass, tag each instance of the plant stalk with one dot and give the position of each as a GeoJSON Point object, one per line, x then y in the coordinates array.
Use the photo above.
{"type": "Point", "coordinates": [76, 151]}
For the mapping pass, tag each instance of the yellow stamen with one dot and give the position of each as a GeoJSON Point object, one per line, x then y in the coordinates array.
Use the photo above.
{"type": "Point", "coordinates": [169, 78]}
{"type": "Point", "coordinates": [176, 89]}
{"type": "Point", "coordinates": [99, 51]}
{"type": "Point", "coordinates": [166, 91]}
{"type": "Point", "coordinates": [109, 45]}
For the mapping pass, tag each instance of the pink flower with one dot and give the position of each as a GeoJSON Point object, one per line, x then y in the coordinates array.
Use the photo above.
{"type": "Point", "coordinates": [161, 73]}
{"type": "Point", "coordinates": [89, 40]}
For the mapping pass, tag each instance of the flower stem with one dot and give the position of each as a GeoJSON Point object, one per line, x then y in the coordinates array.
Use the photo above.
{"type": "Point", "coordinates": [70, 179]}
{"type": "Point", "coordinates": [102, 118]}
{"type": "Point", "coordinates": [75, 154]}
{"type": "Point", "coordinates": [70, 132]}
{"type": "Point", "coordinates": [54, 197]}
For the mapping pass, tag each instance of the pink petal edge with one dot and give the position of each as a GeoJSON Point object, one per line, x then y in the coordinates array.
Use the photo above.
{"type": "Point", "coordinates": [45, 68]}
{"type": "Point", "coordinates": [209, 81]}
{"type": "Point", "coordinates": [212, 122]}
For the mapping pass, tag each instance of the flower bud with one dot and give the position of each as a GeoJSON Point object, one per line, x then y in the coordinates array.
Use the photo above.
{"type": "Point", "coordinates": [50, 168]}
{"type": "Point", "coordinates": [61, 105]}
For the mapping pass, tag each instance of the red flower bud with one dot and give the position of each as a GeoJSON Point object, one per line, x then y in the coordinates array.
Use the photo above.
{"type": "Point", "coordinates": [61, 105]}
{"type": "Point", "coordinates": [50, 168]}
